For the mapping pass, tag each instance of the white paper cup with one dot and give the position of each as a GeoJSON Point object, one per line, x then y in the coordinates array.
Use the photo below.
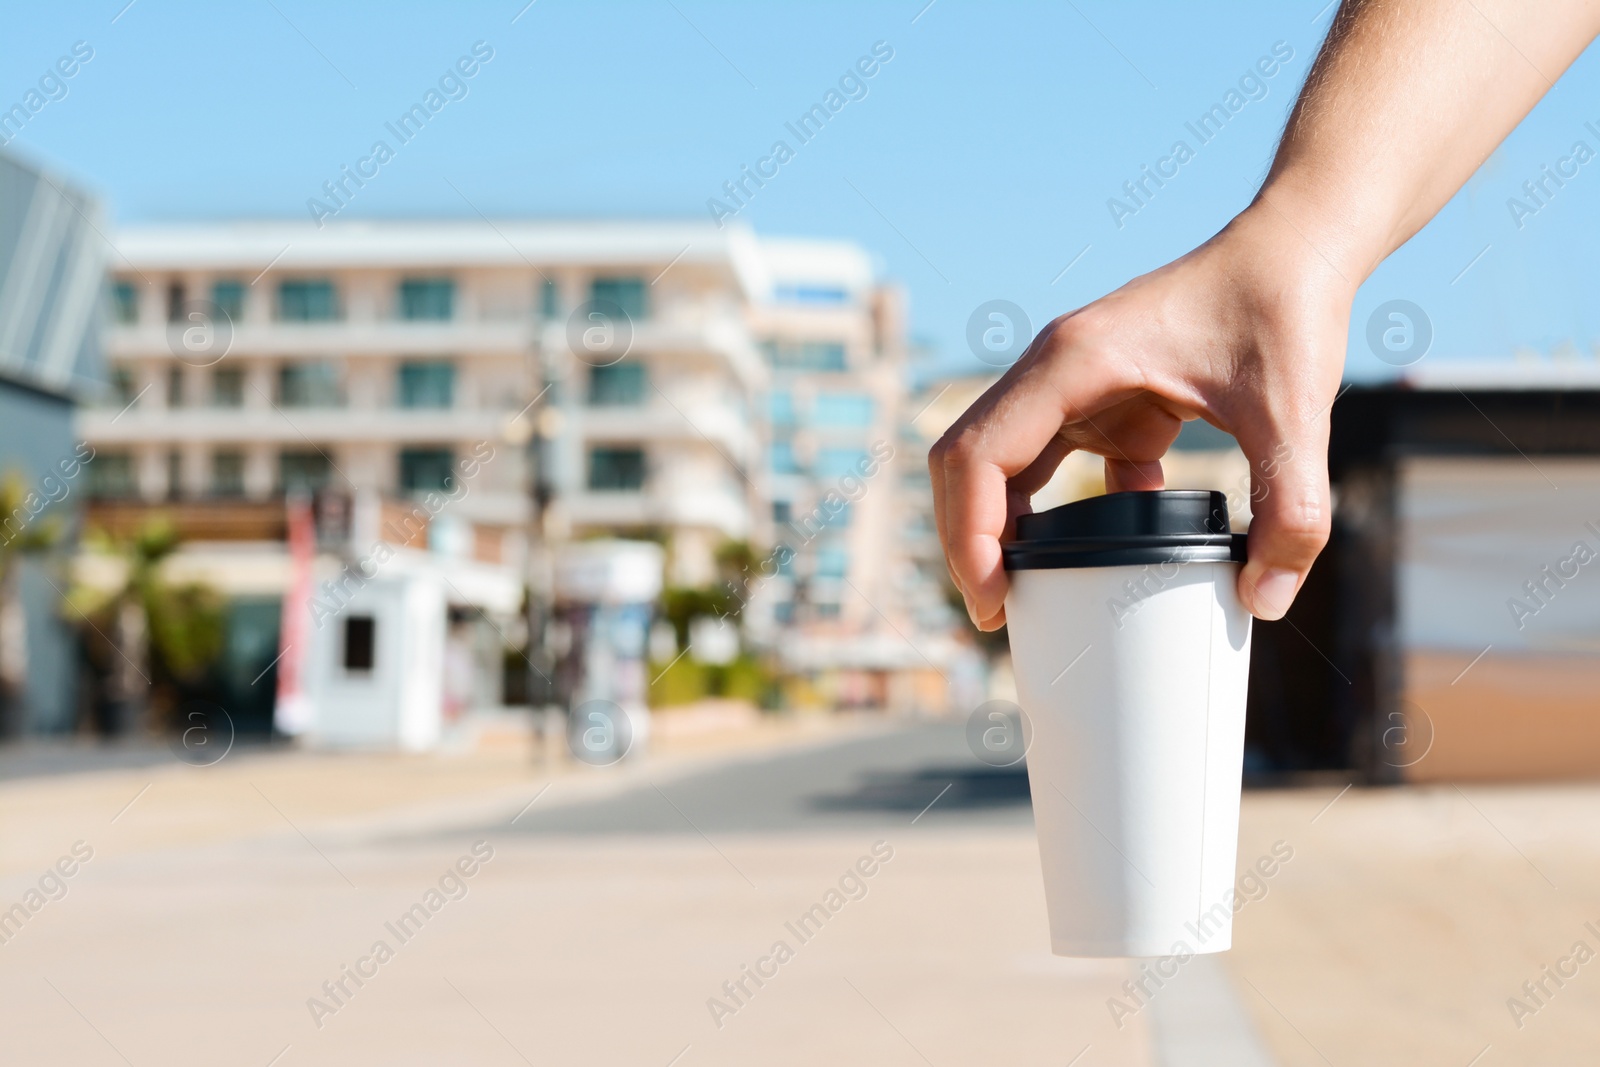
{"type": "Point", "coordinates": [1133, 677]}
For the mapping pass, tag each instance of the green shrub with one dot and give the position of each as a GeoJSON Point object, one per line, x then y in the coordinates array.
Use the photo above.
{"type": "Point", "coordinates": [683, 682]}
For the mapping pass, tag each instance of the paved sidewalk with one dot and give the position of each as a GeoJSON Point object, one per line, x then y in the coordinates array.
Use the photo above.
{"type": "Point", "coordinates": [614, 909]}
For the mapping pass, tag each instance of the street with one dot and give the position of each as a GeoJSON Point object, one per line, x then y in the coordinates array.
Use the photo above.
{"type": "Point", "coordinates": [232, 914]}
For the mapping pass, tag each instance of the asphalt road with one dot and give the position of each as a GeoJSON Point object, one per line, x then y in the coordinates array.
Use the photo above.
{"type": "Point", "coordinates": [883, 780]}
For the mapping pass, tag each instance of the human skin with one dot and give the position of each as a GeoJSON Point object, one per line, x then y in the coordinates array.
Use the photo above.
{"type": "Point", "coordinates": [1404, 102]}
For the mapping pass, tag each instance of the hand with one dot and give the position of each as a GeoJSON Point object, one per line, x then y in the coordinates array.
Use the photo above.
{"type": "Point", "coordinates": [1247, 332]}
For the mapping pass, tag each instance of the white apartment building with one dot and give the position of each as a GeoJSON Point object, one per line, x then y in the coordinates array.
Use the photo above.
{"type": "Point", "coordinates": [252, 358]}
{"type": "Point", "coordinates": [662, 380]}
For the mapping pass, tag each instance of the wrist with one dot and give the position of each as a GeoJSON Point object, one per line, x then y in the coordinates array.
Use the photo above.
{"type": "Point", "coordinates": [1315, 239]}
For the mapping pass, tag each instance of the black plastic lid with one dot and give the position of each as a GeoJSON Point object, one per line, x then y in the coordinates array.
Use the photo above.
{"type": "Point", "coordinates": [1119, 529]}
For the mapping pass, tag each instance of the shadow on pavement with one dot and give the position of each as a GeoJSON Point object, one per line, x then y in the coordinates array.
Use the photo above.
{"type": "Point", "coordinates": [954, 787]}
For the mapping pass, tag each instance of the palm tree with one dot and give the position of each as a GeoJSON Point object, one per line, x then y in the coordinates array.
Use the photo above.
{"type": "Point", "coordinates": [19, 534]}
{"type": "Point", "coordinates": [151, 637]}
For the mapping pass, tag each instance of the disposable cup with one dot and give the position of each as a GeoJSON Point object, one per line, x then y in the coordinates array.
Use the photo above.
{"type": "Point", "coordinates": [1132, 654]}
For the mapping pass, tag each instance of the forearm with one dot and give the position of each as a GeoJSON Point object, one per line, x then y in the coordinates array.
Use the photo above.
{"type": "Point", "coordinates": [1405, 101]}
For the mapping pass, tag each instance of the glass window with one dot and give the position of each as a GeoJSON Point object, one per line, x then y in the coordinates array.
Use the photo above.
{"type": "Point", "coordinates": [842, 409]}
{"type": "Point", "coordinates": [430, 384]}
{"type": "Point", "coordinates": [781, 458]}
{"type": "Point", "coordinates": [303, 471]}
{"type": "Point", "coordinates": [780, 408]}
{"type": "Point", "coordinates": [620, 384]}
{"type": "Point", "coordinates": [123, 392]}
{"type": "Point", "coordinates": [176, 298]}
{"type": "Point", "coordinates": [832, 562]}
{"type": "Point", "coordinates": [227, 387]}
{"type": "Point", "coordinates": [307, 300]}
{"type": "Point", "coordinates": [549, 299]}
{"type": "Point", "coordinates": [808, 355]}
{"type": "Point", "coordinates": [111, 476]}
{"type": "Point", "coordinates": [309, 385]}
{"type": "Point", "coordinates": [125, 303]}
{"type": "Point", "coordinates": [175, 397]}
{"type": "Point", "coordinates": [227, 474]}
{"type": "Point", "coordinates": [782, 511]}
{"type": "Point", "coordinates": [838, 462]}
{"type": "Point", "coordinates": [427, 299]}
{"type": "Point", "coordinates": [810, 294]}
{"type": "Point", "coordinates": [425, 470]}
{"type": "Point", "coordinates": [229, 296]}
{"type": "Point", "coordinates": [360, 632]}
{"type": "Point", "coordinates": [174, 475]}
{"type": "Point", "coordinates": [822, 355]}
{"type": "Point", "coordinates": [626, 293]}
{"type": "Point", "coordinates": [616, 469]}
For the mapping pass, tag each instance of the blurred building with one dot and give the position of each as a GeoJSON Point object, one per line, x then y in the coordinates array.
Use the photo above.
{"type": "Point", "coordinates": [52, 261]}
{"type": "Point", "coordinates": [1450, 630]}
{"type": "Point", "coordinates": [542, 382]}
{"type": "Point", "coordinates": [837, 596]}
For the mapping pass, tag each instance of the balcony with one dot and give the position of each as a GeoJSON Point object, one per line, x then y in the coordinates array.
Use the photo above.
{"type": "Point", "coordinates": [658, 420]}
{"type": "Point", "coordinates": [344, 337]}
{"type": "Point", "coordinates": [278, 425]}
{"type": "Point", "coordinates": [195, 520]}
{"type": "Point", "coordinates": [688, 330]}
{"type": "Point", "coordinates": [720, 508]}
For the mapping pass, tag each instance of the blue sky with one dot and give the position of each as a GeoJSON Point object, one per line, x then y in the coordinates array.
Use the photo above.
{"type": "Point", "coordinates": [977, 166]}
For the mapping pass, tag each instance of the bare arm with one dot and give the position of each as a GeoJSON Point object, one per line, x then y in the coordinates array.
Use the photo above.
{"type": "Point", "coordinates": [1248, 331]}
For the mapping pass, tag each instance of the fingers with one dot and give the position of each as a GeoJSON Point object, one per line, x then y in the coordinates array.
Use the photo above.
{"type": "Point", "coordinates": [1012, 431]}
{"type": "Point", "coordinates": [1291, 515]}
{"type": "Point", "coordinates": [1123, 476]}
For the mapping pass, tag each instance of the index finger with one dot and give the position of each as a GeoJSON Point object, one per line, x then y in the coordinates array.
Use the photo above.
{"type": "Point", "coordinates": [973, 467]}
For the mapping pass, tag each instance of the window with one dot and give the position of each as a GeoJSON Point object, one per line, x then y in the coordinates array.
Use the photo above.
{"type": "Point", "coordinates": [174, 475]}
{"type": "Point", "coordinates": [309, 385]}
{"type": "Point", "coordinates": [303, 471]}
{"type": "Point", "coordinates": [125, 303]}
{"type": "Point", "coordinates": [780, 409]}
{"type": "Point", "coordinates": [782, 511]}
{"type": "Point", "coordinates": [430, 384]}
{"type": "Point", "coordinates": [781, 458]}
{"type": "Point", "coordinates": [427, 299]}
{"type": "Point", "coordinates": [842, 409]}
{"type": "Point", "coordinates": [111, 476]}
{"type": "Point", "coordinates": [619, 385]}
{"type": "Point", "coordinates": [227, 388]}
{"type": "Point", "coordinates": [838, 462]}
{"type": "Point", "coordinates": [307, 300]}
{"type": "Point", "coordinates": [229, 296]}
{"type": "Point", "coordinates": [426, 470]}
{"type": "Point", "coordinates": [359, 643]}
{"type": "Point", "coordinates": [227, 474]}
{"type": "Point", "coordinates": [175, 387]}
{"type": "Point", "coordinates": [809, 355]}
{"type": "Point", "coordinates": [831, 561]}
{"type": "Point", "coordinates": [616, 469]}
{"type": "Point", "coordinates": [176, 298]}
{"type": "Point", "coordinates": [549, 299]}
{"type": "Point", "coordinates": [626, 293]}
{"type": "Point", "coordinates": [810, 294]}
{"type": "Point", "coordinates": [122, 390]}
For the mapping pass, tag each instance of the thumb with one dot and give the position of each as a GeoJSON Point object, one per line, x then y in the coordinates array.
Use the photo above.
{"type": "Point", "coordinates": [1291, 513]}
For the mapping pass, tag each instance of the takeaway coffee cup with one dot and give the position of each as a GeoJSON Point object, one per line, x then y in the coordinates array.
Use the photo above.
{"type": "Point", "coordinates": [1132, 652]}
